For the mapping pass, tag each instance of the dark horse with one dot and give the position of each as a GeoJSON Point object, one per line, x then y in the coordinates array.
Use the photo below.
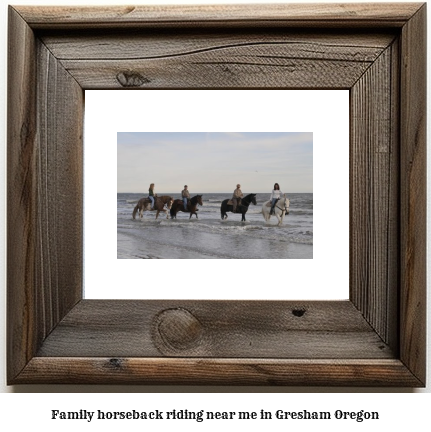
{"type": "Point", "coordinates": [242, 208]}
{"type": "Point", "coordinates": [178, 205]}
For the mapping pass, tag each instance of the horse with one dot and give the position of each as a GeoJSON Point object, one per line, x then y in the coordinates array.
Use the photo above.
{"type": "Point", "coordinates": [178, 205]}
{"type": "Point", "coordinates": [144, 204]}
{"type": "Point", "coordinates": [281, 208]}
{"type": "Point", "coordinates": [241, 208]}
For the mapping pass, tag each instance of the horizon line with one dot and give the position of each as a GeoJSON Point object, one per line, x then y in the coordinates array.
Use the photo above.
{"type": "Point", "coordinates": [170, 192]}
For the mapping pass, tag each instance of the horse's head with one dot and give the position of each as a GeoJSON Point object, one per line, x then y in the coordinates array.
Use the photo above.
{"type": "Point", "coordinates": [199, 199]}
{"type": "Point", "coordinates": [253, 198]}
{"type": "Point", "coordinates": [169, 203]}
{"type": "Point", "coordinates": [286, 205]}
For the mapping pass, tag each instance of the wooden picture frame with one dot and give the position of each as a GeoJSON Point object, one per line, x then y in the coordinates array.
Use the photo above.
{"type": "Point", "coordinates": [376, 338]}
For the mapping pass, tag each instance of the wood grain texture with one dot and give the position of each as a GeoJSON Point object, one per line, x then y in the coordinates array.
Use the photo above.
{"type": "Point", "coordinates": [21, 196]}
{"type": "Point", "coordinates": [392, 300]}
{"type": "Point", "coordinates": [45, 105]}
{"type": "Point", "coordinates": [300, 14]}
{"type": "Point", "coordinates": [413, 194]}
{"type": "Point", "coordinates": [59, 183]}
{"type": "Point", "coordinates": [55, 53]}
{"type": "Point", "coordinates": [241, 329]}
{"type": "Point", "coordinates": [198, 59]}
{"type": "Point", "coordinates": [197, 371]}
{"type": "Point", "coordinates": [285, 63]}
{"type": "Point", "coordinates": [140, 44]}
{"type": "Point", "coordinates": [374, 195]}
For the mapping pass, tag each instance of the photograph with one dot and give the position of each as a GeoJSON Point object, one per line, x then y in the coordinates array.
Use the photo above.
{"type": "Point", "coordinates": [215, 195]}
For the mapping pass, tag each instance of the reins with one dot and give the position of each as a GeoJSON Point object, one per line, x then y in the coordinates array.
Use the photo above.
{"type": "Point", "coordinates": [248, 203]}
{"type": "Point", "coordinates": [196, 202]}
{"type": "Point", "coordinates": [282, 209]}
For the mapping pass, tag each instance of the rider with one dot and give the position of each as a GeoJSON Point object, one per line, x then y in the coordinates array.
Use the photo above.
{"type": "Point", "coordinates": [276, 194]}
{"type": "Point", "coordinates": [185, 195]}
{"type": "Point", "coordinates": [236, 197]}
{"type": "Point", "coordinates": [151, 195]}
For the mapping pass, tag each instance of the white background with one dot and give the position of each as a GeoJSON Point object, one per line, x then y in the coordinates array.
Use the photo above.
{"type": "Point", "coordinates": [325, 113]}
{"type": "Point", "coordinates": [399, 411]}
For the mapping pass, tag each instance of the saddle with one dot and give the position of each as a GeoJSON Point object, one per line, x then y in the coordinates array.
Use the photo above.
{"type": "Point", "coordinates": [268, 204]}
{"type": "Point", "coordinates": [231, 203]}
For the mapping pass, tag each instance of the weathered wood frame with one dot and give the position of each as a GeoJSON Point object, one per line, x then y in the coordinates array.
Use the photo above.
{"type": "Point", "coordinates": [376, 338]}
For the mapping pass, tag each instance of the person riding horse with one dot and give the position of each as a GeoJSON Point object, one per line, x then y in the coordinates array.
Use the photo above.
{"type": "Point", "coordinates": [276, 194]}
{"type": "Point", "coordinates": [236, 198]}
{"type": "Point", "coordinates": [242, 208]}
{"type": "Point", "coordinates": [151, 195]}
{"type": "Point", "coordinates": [178, 206]}
{"type": "Point", "coordinates": [185, 195]}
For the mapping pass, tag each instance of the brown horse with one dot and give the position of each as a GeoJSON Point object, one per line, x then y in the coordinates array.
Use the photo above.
{"type": "Point", "coordinates": [178, 205]}
{"type": "Point", "coordinates": [144, 204]}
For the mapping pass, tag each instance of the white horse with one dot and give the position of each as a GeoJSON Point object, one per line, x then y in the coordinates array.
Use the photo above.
{"type": "Point", "coordinates": [281, 208]}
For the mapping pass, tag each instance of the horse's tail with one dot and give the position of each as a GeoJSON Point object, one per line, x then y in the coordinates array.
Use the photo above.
{"type": "Point", "coordinates": [135, 210]}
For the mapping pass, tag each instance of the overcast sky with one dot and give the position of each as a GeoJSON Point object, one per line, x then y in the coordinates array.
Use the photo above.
{"type": "Point", "coordinates": [214, 162]}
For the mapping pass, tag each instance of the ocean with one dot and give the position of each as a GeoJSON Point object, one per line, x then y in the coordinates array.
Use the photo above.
{"type": "Point", "coordinates": [208, 237]}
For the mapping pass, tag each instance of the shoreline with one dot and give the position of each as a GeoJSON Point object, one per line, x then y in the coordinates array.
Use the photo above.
{"type": "Point", "coordinates": [132, 245]}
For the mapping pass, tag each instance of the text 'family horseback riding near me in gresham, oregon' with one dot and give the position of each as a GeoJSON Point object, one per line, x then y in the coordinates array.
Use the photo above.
{"type": "Point", "coordinates": [214, 195]}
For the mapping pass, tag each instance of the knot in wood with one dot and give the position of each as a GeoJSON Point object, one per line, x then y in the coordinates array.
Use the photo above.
{"type": "Point", "coordinates": [178, 328]}
{"type": "Point", "coordinates": [131, 79]}
{"type": "Point", "coordinates": [115, 363]}
{"type": "Point", "coordinates": [298, 312]}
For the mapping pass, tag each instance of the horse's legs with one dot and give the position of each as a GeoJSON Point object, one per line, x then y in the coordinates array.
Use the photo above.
{"type": "Point", "coordinates": [268, 215]}
{"type": "Point", "coordinates": [278, 218]}
{"type": "Point", "coordinates": [282, 217]}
